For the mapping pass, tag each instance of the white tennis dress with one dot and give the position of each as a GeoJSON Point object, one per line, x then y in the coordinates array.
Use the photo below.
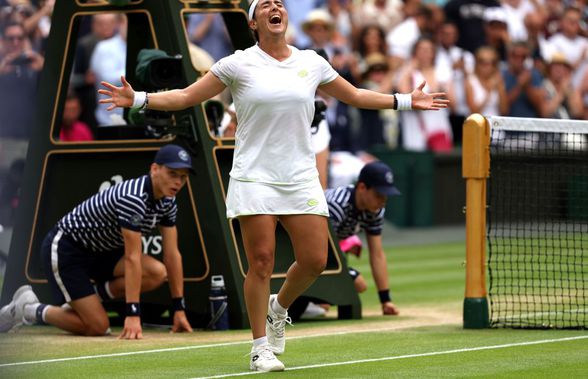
{"type": "Point", "coordinates": [274, 169]}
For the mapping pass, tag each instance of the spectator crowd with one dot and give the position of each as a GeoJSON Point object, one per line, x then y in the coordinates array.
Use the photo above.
{"type": "Point", "coordinates": [518, 58]}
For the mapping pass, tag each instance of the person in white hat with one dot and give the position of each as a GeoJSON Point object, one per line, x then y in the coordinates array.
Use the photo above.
{"type": "Point", "coordinates": [274, 176]}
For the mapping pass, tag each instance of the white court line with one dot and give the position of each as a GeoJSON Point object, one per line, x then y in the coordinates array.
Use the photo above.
{"type": "Point", "coordinates": [171, 349]}
{"type": "Point", "coordinates": [196, 347]}
{"type": "Point", "coordinates": [433, 353]}
{"type": "Point", "coordinates": [192, 347]}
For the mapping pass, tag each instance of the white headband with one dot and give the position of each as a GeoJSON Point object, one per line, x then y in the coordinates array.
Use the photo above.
{"type": "Point", "coordinates": [252, 8]}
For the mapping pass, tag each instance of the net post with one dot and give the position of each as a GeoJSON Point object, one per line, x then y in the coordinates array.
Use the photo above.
{"type": "Point", "coordinates": [475, 171]}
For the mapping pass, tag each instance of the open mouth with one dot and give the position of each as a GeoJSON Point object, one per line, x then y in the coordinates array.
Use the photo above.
{"type": "Point", "coordinates": [275, 19]}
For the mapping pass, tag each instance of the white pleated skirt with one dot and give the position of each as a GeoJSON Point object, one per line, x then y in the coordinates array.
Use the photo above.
{"type": "Point", "coordinates": [253, 198]}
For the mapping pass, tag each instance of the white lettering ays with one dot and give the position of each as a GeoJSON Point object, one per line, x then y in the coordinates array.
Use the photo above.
{"type": "Point", "coordinates": [151, 245]}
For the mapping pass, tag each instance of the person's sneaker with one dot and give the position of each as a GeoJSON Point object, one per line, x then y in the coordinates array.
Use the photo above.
{"type": "Point", "coordinates": [313, 311]}
{"type": "Point", "coordinates": [275, 326]}
{"type": "Point", "coordinates": [27, 296]}
{"type": "Point", "coordinates": [7, 318]}
{"type": "Point", "coordinates": [263, 359]}
{"type": "Point", "coordinates": [11, 315]}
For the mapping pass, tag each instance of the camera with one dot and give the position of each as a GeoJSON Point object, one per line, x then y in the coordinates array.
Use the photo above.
{"type": "Point", "coordinates": [21, 60]}
{"type": "Point", "coordinates": [320, 107]}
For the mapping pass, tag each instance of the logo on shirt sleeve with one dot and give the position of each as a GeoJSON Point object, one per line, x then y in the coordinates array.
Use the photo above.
{"type": "Point", "coordinates": [135, 220]}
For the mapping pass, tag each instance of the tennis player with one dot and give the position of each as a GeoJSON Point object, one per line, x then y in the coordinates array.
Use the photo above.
{"type": "Point", "coordinates": [274, 176]}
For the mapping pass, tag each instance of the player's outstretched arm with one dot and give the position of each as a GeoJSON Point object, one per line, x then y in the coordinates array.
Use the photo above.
{"type": "Point", "coordinates": [366, 99]}
{"type": "Point", "coordinates": [125, 97]}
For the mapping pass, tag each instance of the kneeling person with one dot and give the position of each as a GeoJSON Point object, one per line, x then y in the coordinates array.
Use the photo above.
{"type": "Point", "coordinates": [362, 206]}
{"type": "Point", "coordinates": [100, 241]}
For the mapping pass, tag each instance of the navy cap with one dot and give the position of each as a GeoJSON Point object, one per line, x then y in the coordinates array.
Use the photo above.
{"type": "Point", "coordinates": [379, 176]}
{"type": "Point", "coordinates": [174, 156]}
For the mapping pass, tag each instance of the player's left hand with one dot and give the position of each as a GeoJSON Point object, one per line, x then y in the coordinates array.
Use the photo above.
{"type": "Point", "coordinates": [181, 323]}
{"type": "Point", "coordinates": [428, 101]}
{"type": "Point", "coordinates": [389, 309]}
{"type": "Point", "coordinates": [132, 329]}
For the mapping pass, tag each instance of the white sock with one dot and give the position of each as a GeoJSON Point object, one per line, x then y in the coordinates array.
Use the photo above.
{"type": "Point", "coordinates": [276, 307]}
{"type": "Point", "coordinates": [30, 312]}
{"type": "Point", "coordinates": [259, 341]}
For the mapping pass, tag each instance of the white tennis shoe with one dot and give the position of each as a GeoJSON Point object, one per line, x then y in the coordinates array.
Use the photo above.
{"type": "Point", "coordinates": [11, 315]}
{"type": "Point", "coordinates": [275, 327]}
{"type": "Point", "coordinates": [263, 359]}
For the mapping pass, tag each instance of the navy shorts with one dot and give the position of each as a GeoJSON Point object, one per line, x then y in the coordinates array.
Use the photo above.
{"type": "Point", "coordinates": [71, 268]}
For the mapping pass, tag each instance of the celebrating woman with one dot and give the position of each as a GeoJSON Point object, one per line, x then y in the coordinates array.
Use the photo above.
{"type": "Point", "coordinates": [274, 177]}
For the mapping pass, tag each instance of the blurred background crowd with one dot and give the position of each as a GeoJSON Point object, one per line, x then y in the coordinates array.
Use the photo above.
{"type": "Point", "coordinates": [519, 58]}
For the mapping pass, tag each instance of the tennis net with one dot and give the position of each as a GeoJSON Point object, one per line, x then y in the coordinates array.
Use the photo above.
{"type": "Point", "coordinates": [537, 223]}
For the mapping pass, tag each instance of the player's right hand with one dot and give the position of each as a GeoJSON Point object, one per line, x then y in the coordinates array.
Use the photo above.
{"type": "Point", "coordinates": [132, 329]}
{"type": "Point", "coordinates": [117, 96]}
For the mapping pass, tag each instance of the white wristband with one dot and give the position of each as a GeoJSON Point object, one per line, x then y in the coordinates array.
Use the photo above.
{"type": "Point", "coordinates": [139, 99]}
{"type": "Point", "coordinates": [404, 101]}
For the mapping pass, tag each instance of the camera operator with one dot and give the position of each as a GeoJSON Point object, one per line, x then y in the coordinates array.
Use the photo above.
{"type": "Point", "coordinates": [18, 57]}
{"type": "Point", "coordinates": [19, 71]}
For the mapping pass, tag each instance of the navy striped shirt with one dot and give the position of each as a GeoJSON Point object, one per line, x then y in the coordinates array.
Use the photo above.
{"type": "Point", "coordinates": [96, 223]}
{"type": "Point", "coordinates": [346, 219]}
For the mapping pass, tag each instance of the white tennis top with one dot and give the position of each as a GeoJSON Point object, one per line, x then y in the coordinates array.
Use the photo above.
{"type": "Point", "coordinates": [274, 102]}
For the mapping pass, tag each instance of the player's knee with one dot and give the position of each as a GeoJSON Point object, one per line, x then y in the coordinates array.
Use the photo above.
{"type": "Point", "coordinates": [159, 275]}
{"type": "Point", "coordinates": [262, 265]}
{"type": "Point", "coordinates": [154, 276]}
{"type": "Point", "coordinates": [98, 328]}
{"type": "Point", "coordinates": [314, 265]}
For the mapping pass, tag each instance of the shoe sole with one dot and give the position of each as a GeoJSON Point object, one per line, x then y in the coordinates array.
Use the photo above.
{"type": "Point", "coordinates": [273, 370]}
{"type": "Point", "coordinates": [17, 294]}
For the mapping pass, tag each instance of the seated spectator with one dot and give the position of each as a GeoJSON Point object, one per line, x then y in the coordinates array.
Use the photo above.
{"type": "Point", "coordinates": [523, 82]}
{"type": "Point", "coordinates": [485, 91]}
{"type": "Point", "coordinates": [460, 63]}
{"type": "Point", "coordinates": [468, 16]}
{"type": "Point", "coordinates": [496, 31]}
{"type": "Point", "coordinates": [72, 129]}
{"type": "Point", "coordinates": [371, 40]}
{"type": "Point", "coordinates": [108, 63]}
{"type": "Point", "coordinates": [402, 38]}
{"type": "Point", "coordinates": [523, 89]}
{"type": "Point", "coordinates": [431, 131]}
{"type": "Point", "coordinates": [19, 73]}
{"type": "Point", "coordinates": [570, 42]}
{"type": "Point", "coordinates": [83, 81]}
{"type": "Point", "coordinates": [378, 127]}
{"type": "Point", "coordinates": [298, 10]}
{"type": "Point", "coordinates": [387, 14]}
{"type": "Point", "coordinates": [340, 11]}
{"type": "Point", "coordinates": [562, 99]}
{"type": "Point", "coordinates": [319, 26]}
